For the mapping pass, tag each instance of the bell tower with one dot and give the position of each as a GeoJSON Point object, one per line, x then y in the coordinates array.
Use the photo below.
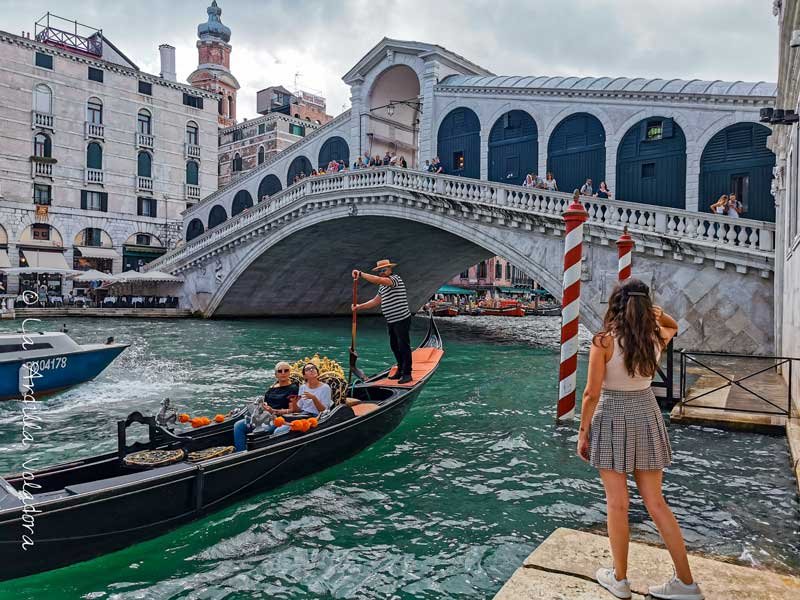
{"type": "Point", "coordinates": [213, 71]}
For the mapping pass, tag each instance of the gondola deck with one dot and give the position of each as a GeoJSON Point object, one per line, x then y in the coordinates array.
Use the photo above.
{"type": "Point", "coordinates": [95, 506]}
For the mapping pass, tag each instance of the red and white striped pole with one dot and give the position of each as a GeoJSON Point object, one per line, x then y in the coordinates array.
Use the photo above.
{"type": "Point", "coordinates": [625, 253]}
{"type": "Point", "coordinates": [574, 217]}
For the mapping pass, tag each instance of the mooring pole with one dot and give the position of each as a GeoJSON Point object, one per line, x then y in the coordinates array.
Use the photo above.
{"type": "Point", "coordinates": [574, 218]}
{"type": "Point", "coordinates": [625, 253]}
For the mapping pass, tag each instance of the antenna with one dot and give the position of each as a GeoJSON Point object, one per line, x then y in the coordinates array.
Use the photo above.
{"type": "Point", "coordinates": [296, 77]}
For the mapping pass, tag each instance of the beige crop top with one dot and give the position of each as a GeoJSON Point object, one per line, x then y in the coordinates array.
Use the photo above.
{"type": "Point", "coordinates": [617, 377]}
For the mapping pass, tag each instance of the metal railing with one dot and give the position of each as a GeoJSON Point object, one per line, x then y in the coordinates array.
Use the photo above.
{"type": "Point", "coordinates": [666, 375]}
{"type": "Point", "coordinates": [758, 403]}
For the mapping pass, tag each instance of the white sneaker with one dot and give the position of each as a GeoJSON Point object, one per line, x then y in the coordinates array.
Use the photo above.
{"type": "Point", "coordinates": [608, 579]}
{"type": "Point", "coordinates": [675, 589]}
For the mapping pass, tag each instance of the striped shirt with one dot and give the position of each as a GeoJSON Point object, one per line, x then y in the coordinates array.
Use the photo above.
{"type": "Point", "coordinates": [394, 302]}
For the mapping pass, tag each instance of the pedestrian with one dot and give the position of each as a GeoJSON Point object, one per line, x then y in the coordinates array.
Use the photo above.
{"type": "Point", "coordinates": [392, 299]}
{"type": "Point", "coordinates": [437, 166]}
{"type": "Point", "coordinates": [622, 432]}
{"type": "Point", "coordinates": [528, 181]}
{"type": "Point", "coordinates": [586, 188]}
{"type": "Point", "coordinates": [603, 192]}
{"type": "Point", "coordinates": [428, 166]}
{"type": "Point", "coordinates": [403, 163]}
{"type": "Point", "coordinates": [720, 207]}
{"type": "Point", "coordinates": [550, 182]}
{"type": "Point", "coordinates": [734, 208]}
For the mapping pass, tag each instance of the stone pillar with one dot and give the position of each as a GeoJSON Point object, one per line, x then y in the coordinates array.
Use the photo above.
{"type": "Point", "coordinates": [485, 154]}
{"type": "Point", "coordinates": [69, 257]}
{"type": "Point", "coordinates": [116, 263]}
{"type": "Point", "coordinates": [542, 160]}
{"type": "Point", "coordinates": [427, 136]}
{"type": "Point", "coordinates": [358, 105]}
{"type": "Point", "coordinates": [12, 281]}
{"type": "Point", "coordinates": [693, 153]}
{"type": "Point", "coordinates": [612, 145]}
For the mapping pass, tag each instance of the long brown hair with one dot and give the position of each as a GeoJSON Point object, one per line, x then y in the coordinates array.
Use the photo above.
{"type": "Point", "coordinates": [631, 320]}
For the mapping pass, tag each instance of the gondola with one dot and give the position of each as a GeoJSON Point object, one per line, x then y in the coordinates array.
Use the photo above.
{"type": "Point", "coordinates": [90, 507]}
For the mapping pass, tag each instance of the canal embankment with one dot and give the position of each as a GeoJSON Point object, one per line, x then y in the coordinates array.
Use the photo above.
{"type": "Point", "coordinates": [564, 566]}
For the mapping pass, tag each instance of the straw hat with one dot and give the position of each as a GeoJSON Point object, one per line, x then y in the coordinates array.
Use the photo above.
{"type": "Point", "coordinates": [383, 264]}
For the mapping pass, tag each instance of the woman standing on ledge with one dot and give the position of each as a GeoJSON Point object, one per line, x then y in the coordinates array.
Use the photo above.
{"type": "Point", "coordinates": [622, 431]}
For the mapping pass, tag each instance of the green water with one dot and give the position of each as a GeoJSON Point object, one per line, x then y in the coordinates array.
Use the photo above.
{"type": "Point", "coordinates": [447, 506]}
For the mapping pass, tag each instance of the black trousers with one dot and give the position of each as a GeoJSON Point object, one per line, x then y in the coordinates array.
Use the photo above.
{"type": "Point", "coordinates": [400, 342]}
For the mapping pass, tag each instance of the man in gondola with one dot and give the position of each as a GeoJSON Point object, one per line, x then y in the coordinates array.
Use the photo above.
{"type": "Point", "coordinates": [393, 301]}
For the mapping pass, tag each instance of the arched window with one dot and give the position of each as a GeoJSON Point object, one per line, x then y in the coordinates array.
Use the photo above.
{"type": "Point", "coordinates": [220, 109]}
{"type": "Point", "coordinates": [42, 99]}
{"type": "Point", "coordinates": [42, 147]}
{"type": "Point", "coordinates": [94, 156]}
{"type": "Point", "coordinates": [230, 107]}
{"type": "Point", "coordinates": [260, 154]}
{"type": "Point", "coordinates": [192, 173]}
{"type": "Point", "coordinates": [192, 134]}
{"type": "Point", "coordinates": [144, 121]}
{"type": "Point", "coordinates": [144, 165]}
{"type": "Point", "coordinates": [94, 111]}
{"type": "Point", "coordinates": [241, 201]}
{"type": "Point", "coordinates": [237, 163]}
{"type": "Point", "coordinates": [498, 270]}
{"type": "Point", "coordinates": [482, 270]}
{"type": "Point", "coordinates": [194, 229]}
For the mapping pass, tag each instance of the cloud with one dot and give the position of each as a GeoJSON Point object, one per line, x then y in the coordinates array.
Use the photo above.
{"type": "Point", "coordinates": [272, 41]}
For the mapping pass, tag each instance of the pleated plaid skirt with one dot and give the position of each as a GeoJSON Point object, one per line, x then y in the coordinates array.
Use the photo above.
{"type": "Point", "coordinates": [628, 433]}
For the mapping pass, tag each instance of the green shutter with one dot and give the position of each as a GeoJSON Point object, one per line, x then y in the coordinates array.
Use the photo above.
{"type": "Point", "coordinates": [667, 130]}
{"type": "Point", "coordinates": [83, 199]}
{"type": "Point", "coordinates": [104, 201]}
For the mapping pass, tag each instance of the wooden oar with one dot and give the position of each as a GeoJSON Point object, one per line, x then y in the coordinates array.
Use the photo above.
{"type": "Point", "coordinates": [354, 370]}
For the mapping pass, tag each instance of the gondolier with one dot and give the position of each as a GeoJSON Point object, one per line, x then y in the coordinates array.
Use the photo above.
{"type": "Point", "coordinates": [393, 301]}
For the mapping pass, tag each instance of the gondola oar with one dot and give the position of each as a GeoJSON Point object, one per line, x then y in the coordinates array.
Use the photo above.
{"type": "Point", "coordinates": [354, 370]}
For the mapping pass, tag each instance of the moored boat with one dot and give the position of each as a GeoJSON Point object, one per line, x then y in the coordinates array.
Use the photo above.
{"type": "Point", "coordinates": [445, 309]}
{"type": "Point", "coordinates": [56, 361]}
{"type": "Point", "coordinates": [504, 308]}
{"type": "Point", "coordinates": [93, 506]}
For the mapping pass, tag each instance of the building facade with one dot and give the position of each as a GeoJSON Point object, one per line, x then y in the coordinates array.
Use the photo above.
{"type": "Point", "coordinates": [249, 144]}
{"type": "Point", "coordinates": [785, 142]}
{"type": "Point", "coordinates": [300, 104]}
{"type": "Point", "coordinates": [494, 275]}
{"type": "Point", "coordinates": [213, 71]}
{"type": "Point", "coordinates": [99, 159]}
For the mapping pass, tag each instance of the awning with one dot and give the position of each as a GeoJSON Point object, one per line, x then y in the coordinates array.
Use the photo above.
{"type": "Point", "coordinates": [455, 290]}
{"type": "Point", "coordinates": [45, 261]}
{"type": "Point", "coordinates": [93, 252]}
{"type": "Point", "coordinates": [513, 290]}
{"type": "Point", "coordinates": [4, 262]}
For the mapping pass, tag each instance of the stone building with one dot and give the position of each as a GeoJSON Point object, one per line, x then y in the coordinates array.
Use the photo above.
{"type": "Point", "coordinates": [300, 104]}
{"type": "Point", "coordinates": [495, 274]}
{"type": "Point", "coordinates": [785, 142]}
{"type": "Point", "coordinates": [213, 71]}
{"type": "Point", "coordinates": [99, 158]}
{"type": "Point", "coordinates": [249, 144]}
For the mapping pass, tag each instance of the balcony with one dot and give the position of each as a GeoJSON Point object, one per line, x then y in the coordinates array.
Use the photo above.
{"type": "Point", "coordinates": [144, 184]}
{"type": "Point", "coordinates": [41, 120]}
{"type": "Point", "coordinates": [94, 130]}
{"type": "Point", "coordinates": [144, 140]}
{"type": "Point", "coordinates": [192, 151]}
{"type": "Point", "coordinates": [42, 169]}
{"type": "Point", "coordinates": [192, 192]}
{"type": "Point", "coordinates": [94, 176]}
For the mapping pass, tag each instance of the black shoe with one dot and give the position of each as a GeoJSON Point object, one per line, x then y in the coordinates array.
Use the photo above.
{"type": "Point", "coordinates": [404, 379]}
{"type": "Point", "coordinates": [395, 376]}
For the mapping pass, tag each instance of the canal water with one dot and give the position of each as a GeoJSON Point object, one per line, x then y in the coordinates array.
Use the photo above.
{"type": "Point", "coordinates": [447, 506]}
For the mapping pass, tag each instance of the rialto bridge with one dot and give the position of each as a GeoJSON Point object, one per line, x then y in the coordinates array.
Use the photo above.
{"type": "Point", "coordinates": [293, 254]}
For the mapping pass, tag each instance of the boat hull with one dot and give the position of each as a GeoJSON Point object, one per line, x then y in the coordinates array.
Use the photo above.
{"type": "Point", "coordinates": [74, 530]}
{"type": "Point", "coordinates": [510, 311]}
{"type": "Point", "coordinates": [58, 372]}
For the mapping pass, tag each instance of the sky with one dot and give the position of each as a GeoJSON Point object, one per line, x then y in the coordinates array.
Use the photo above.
{"type": "Point", "coordinates": [314, 43]}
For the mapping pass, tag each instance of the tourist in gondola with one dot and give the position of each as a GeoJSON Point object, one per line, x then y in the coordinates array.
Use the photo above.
{"type": "Point", "coordinates": [277, 401]}
{"type": "Point", "coordinates": [622, 432]}
{"type": "Point", "coordinates": [392, 299]}
{"type": "Point", "coordinates": [314, 396]}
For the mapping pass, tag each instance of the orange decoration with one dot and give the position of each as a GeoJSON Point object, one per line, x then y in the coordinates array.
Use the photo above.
{"type": "Point", "coordinates": [297, 425]}
{"type": "Point", "coordinates": [313, 421]}
{"type": "Point", "coordinates": [183, 418]}
{"type": "Point", "coordinates": [205, 420]}
{"type": "Point", "coordinates": [279, 421]}
{"type": "Point", "coordinates": [219, 418]}
{"type": "Point", "coordinates": [306, 425]}
{"type": "Point", "coordinates": [197, 422]}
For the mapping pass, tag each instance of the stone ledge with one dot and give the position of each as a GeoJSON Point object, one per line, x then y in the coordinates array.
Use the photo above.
{"type": "Point", "coordinates": [563, 566]}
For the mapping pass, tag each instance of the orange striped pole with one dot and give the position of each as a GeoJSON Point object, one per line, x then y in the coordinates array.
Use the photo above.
{"type": "Point", "coordinates": [574, 218]}
{"type": "Point", "coordinates": [625, 253]}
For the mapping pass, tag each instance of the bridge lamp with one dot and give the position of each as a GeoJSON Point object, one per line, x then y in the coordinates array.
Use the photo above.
{"type": "Point", "coordinates": [390, 110]}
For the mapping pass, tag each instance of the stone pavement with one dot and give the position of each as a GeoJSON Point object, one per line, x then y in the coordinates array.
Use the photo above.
{"type": "Point", "coordinates": [563, 567]}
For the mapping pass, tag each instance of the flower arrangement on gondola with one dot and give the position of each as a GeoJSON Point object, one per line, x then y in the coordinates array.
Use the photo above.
{"type": "Point", "coordinates": [196, 422]}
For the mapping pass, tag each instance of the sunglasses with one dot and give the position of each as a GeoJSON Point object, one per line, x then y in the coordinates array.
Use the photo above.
{"type": "Point", "coordinates": [310, 369]}
{"type": "Point", "coordinates": [282, 370]}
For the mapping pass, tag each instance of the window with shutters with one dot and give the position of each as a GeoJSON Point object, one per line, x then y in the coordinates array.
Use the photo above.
{"type": "Point", "coordinates": [42, 195]}
{"type": "Point", "coordinates": [144, 122]}
{"type": "Point", "coordinates": [146, 206]}
{"type": "Point", "coordinates": [92, 237]}
{"type": "Point", "coordinates": [482, 270]}
{"type": "Point", "coordinates": [96, 75]}
{"type": "Point", "coordinates": [297, 130]}
{"type": "Point", "coordinates": [42, 147]}
{"type": "Point", "coordinates": [93, 201]}
{"type": "Point", "coordinates": [498, 270]}
{"type": "Point", "coordinates": [144, 163]}
{"type": "Point", "coordinates": [193, 101]}
{"type": "Point", "coordinates": [192, 173]}
{"type": "Point", "coordinates": [94, 156]}
{"type": "Point", "coordinates": [145, 88]}
{"type": "Point", "coordinates": [44, 60]}
{"type": "Point", "coordinates": [192, 134]}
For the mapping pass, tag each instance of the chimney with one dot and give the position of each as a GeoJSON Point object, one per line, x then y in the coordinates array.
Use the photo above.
{"type": "Point", "coordinates": [167, 62]}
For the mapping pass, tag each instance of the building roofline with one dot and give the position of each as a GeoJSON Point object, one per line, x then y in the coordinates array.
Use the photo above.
{"type": "Point", "coordinates": [11, 38]}
{"type": "Point", "coordinates": [120, 52]}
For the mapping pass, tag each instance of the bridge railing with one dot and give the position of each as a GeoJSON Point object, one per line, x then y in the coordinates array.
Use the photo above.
{"type": "Point", "coordinates": [720, 232]}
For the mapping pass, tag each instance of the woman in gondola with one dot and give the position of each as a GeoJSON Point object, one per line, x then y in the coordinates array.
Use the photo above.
{"type": "Point", "coordinates": [277, 400]}
{"type": "Point", "coordinates": [314, 395]}
{"type": "Point", "coordinates": [622, 432]}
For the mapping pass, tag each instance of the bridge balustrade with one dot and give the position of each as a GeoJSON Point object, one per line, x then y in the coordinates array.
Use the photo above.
{"type": "Point", "coordinates": [674, 225]}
